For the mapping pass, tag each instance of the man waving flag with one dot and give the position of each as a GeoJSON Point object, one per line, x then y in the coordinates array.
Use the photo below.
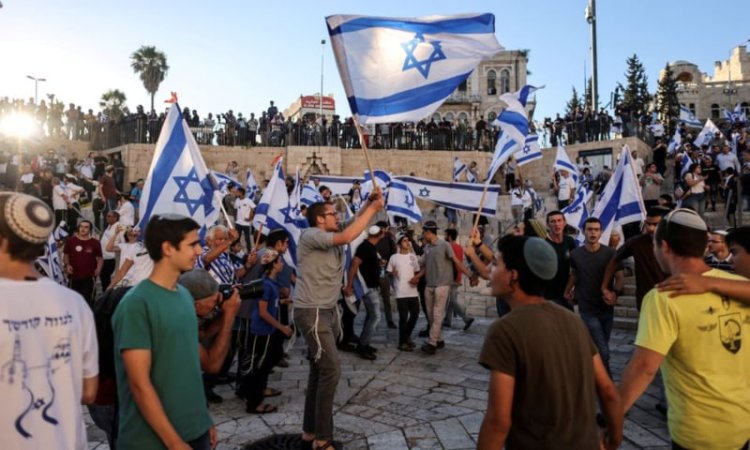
{"type": "Point", "coordinates": [402, 69]}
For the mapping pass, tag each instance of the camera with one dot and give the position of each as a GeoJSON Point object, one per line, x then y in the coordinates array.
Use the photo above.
{"type": "Point", "coordinates": [248, 291]}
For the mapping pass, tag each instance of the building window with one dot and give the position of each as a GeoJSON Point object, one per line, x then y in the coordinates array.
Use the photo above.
{"type": "Point", "coordinates": [685, 77]}
{"type": "Point", "coordinates": [691, 107]}
{"type": "Point", "coordinates": [491, 116]}
{"type": "Point", "coordinates": [745, 108]}
{"type": "Point", "coordinates": [448, 117]}
{"type": "Point", "coordinates": [504, 81]}
{"type": "Point", "coordinates": [491, 78]}
{"type": "Point", "coordinates": [463, 116]}
{"type": "Point", "coordinates": [715, 111]}
{"type": "Point", "coordinates": [436, 117]}
{"type": "Point", "coordinates": [463, 86]}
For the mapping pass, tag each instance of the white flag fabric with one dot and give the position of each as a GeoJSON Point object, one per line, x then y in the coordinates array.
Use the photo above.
{"type": "Point", "coordinates": [621, 201]}
{"type": "Point", "coordinates": [513, 120]}
{"type": "Point", "coordinates": [577, 212]}
{"type": "Point", "coordinates": [459, 196]}
{"type": "Point", "coordinates": [274, 212]}
{"type": "Point", "coordinates": [401, 202]}
{"type": "Point", "coordinates": [251, 185]}
{"type": "Point", "coordinates": [706, 134]}
{"type": "Point", "coordinates": [178, 180]}
{"type": "Point", "coordinates": [504, 148]}
{"type": "Point", "coordinates": [458, 168]}
{"type": "Point", "coordinates": [530, 151]}
{"type": "Point", "coordinates": [339, 185]}
{"type": "Point", "coordinates": [563, 162]}
{"type": "Point", "coordinates": [223, 180]}
{"type": "Point", "coordinates": [382, 178]}
{"type": "Point", "coordinates": [402, 69]}
{"type": "Point", "coordinates": [675, 142]}
{"type": "Point", "coordinates": [685, 164]}
{"type": "Point", "coordinates": [688, 118]}
{"type": "Point", "coordinates": [50, 263]}
{"type": "Point", "coordinates": [523, 94]}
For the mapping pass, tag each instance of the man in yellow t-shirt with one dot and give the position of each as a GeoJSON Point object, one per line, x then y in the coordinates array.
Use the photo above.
{"type": "Point", "coordinates": [697, 342]}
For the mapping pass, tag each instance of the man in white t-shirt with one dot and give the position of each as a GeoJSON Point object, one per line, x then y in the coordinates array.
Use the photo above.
{"type": "Point", "coordinates": [518, 198]}
{"type": "Point", "coordinates": [48, 347]}
{"type": "Point", "coordinates": [403, 266]}
{"type": "Point", "coordinates": [109, 258]}
{"type": "Point", "coordinates": [566, 188]}
{"type": "Point", "coordinates": [244, 207]}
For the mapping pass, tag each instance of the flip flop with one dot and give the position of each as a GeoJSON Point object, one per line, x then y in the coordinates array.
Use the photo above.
{"type": "Point", "coordinates": [271, 393]}
{"type": "Point", "coordinates": [264, 409]}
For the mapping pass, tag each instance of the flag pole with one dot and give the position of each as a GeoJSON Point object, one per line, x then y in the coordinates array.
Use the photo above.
{"type": "Point", "coordinates": [257, 238]}
{"type": "Point", "coordinates": [481, 203]}
{"type": "Point", "coordinates": [363, 144]}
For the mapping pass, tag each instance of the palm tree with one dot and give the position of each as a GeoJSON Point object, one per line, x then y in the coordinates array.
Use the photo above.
{"type": "Point", "coordinates": [152, 66]}
{"type": "Point", "coordinates": [112, 104]}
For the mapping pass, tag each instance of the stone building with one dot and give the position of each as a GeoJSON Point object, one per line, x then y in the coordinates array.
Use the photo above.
{"type": "Point", "coordinates": [706, 95]}
{"type": "Point", "coordinates": [478, 95]}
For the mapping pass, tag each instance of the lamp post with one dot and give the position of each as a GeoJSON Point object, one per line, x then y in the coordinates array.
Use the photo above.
{"type": "Point", "coordinates": [320, 97]}
{"type": "Point", "coordinates": [36, 86]}
{"type": "Point", "coordinates": [591, 19]}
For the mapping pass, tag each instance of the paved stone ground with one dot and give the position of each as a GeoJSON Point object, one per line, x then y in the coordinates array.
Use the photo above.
{"type": "Point", "coordinates": [406, 399]}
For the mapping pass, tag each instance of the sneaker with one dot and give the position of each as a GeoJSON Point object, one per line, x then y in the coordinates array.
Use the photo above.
{"type": "Point", "coordinates": [370, 349]}
{"type": "Point", "coordinates": [392, 325]}
{"type": "Point", "coordinates": [405, 347]}
{"type": "Point", "coordinates": [424, 332]}
{"type": "Point", "coordinates": [411, 344]}
{"type": "Point", "coordinates": [365, 354]}
{"type": "Point", "coordinates": [429, 349]}
{"type": "Point", "coordinates": [440, 344]}
{"type": "Point", "coordinates": [213, 397]}
{"type": "Point", "coordinates": [346, 347]}
{"type": "Point", "coordinates": [468, 323]}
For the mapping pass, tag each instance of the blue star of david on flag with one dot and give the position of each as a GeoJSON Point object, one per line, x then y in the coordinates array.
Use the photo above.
{"type": "Point", "coordinates": [412, 62]}
{"type": "Point", "coordinates": [424, 192]}
{"type": "Point", "coordinates": [409, 199]}
{"type": "Point", "coordinates": [193, 204]}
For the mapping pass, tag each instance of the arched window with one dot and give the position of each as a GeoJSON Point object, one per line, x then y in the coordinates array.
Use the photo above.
{"type": "Point", "coordinates": [685, 77]}
{"type": "Point", "coordinates": [463, 116]}
{"type": "Point", "coordinates": [491, 78]}
{"type": "Point", "coordinates": [504, 81]}
{"type": "Point", "coordinates": [715, 111]}
{"type": "Point", "coordinates": [436, 117]}
{"type": "Point", "coordinates": [448, 117]}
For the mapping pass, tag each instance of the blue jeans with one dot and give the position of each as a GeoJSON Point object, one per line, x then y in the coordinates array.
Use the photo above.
{"type": "Point", "coordinates": [600, 329]}
{"type": "Point", "coordinates": [371, 300]}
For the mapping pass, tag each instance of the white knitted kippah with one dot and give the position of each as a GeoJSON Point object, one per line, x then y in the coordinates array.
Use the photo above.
{"type": "Point", "coordinates": [28, 217]}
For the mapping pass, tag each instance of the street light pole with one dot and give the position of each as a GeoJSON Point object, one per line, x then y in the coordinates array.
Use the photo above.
{"type": "Point", "coordinates": [36, 86]}
{"type": "Point", "coordinates": [591, 19]}
{"type": "Point", "coordinates": [320, 97]}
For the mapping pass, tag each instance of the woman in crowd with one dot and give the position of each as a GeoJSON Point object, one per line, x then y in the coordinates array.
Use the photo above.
{"type": "Point", "coordinates": [135, 264]}
{"type": "Point", "coordinates": [695, 197]}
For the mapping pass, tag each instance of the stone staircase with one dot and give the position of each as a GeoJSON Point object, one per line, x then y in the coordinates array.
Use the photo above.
{"type": "Point", "coordinates": [626, 314]}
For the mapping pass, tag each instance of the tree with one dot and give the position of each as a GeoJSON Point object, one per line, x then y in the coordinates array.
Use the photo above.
{"type": "Point", "coordinates": [635, 97]}
{"type": "Point", "coordinates": [574, 103]}
{"type": "Point", "coordinates": [151, 65]}
{"type": "Point", "coordinates": [113, 103]}
{"type": "Point", "coordinates": [667, 103]}
{"type": "Point", "coordinates": [588, 94]}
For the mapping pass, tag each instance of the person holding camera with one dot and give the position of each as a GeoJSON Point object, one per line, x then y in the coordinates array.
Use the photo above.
{"type": "Point", "coordinates": [265, 342]}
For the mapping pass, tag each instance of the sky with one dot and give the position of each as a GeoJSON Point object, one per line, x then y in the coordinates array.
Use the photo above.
{"type": "Point", "coordinates": [239, 55]}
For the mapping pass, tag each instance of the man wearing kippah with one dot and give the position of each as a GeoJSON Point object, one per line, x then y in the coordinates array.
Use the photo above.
{"type": "Point", "coordinates": [696, 340]}
{"type": "Point", "coordinates": [542, 363]}
{"type": "Point", "coordinates": [48, 347]}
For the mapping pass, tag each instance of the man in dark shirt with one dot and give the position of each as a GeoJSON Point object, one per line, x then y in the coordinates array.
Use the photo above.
{"type": "Point", "coordinates": [386, 248]}
{"type": "Point", "coordinates": [521, 349]}
{"type": "Point", "coordinates": [108, 189]}
{"type": "Point", "coordinates": [660, 156]}
{"type": "Point", "coordinates": [367, 262]}
{"type": "Point", "coordinates": [562, 244]}
{"type": "Point", "coordinates": [641, 248]}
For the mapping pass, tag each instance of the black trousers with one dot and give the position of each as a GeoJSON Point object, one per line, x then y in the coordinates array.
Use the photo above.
{"type": "Point", "coordinates": [408, 313]}
{"type": "Point", "coordinates": [85, 287]}
{"type": "Point", "coordinates": [108, 268]}
{"type": "Point", "coordinates": [262, 353]}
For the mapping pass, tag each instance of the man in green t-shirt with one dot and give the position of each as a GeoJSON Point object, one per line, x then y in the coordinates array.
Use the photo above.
{"type": "Point", "coordinates": [159, 384]}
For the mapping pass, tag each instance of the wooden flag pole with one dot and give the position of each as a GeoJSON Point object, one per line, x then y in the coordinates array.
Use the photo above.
{"type": "Point", "coordinates": [367, 156]}
{"type": "Point", "coordinates": [481, 204]}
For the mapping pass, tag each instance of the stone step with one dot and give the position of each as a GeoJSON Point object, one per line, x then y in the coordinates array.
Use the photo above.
{"type": "Point", "coordinates": [626, 323]}
{"type": "Point", "coordinates": [626, 311]}
{"type": "Point", "coordinates": [627, 300]}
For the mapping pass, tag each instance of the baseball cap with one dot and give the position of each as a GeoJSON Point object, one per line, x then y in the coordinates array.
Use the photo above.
{"type": "Point", "coordinates": [199, 283]}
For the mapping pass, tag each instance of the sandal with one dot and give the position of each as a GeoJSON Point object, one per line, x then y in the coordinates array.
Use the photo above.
{"type": "Point", "coordinates": [327, 445]}
{"type": "Point", "coordinates": [270, 392]}
{"type": "Point", "coordinates": [262, 409]}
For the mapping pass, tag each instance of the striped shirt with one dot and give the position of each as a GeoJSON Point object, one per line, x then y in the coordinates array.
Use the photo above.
{"type": "Point", "coordinates": [222, 269]}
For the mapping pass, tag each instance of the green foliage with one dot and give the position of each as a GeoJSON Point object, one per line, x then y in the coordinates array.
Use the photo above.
{"type": "Point", "coordinates": [113, 103]}
{"type": "Point", "coordinates": [667, 104]}
{"type": "Point", "coordinates": [151, 65]}
{"type": "Point", "coordinates": [574, 103]}
{"type": "Point", "coordinates": [635, 95]}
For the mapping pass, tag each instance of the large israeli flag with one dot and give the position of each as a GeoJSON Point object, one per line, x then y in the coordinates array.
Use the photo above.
{"type": "Point", "coordinates": [274, 211]}
{"type": "Point", "coordinates": [460, 196]}
{"type": "Point", "coordinates": [513, 120]}
{"type": "Point", "coordinates": [530, 151]}
{"type": "Point", "coordinates": [458, 168]}
{"type": "Point", "coordinates": [688, 118]}
{"type": "Point", "coordinates": [402, 69]}
{"type": "Point", "coordinates": [621, 201]}
{"type": "Point", "coordinates": [178, 181]}
{"type": "Point", "coordinates": [563, 162]}
{"type": "Point", "coordinates": [401, 202]}
{"type": "Point", "coordinates": [706, 134]}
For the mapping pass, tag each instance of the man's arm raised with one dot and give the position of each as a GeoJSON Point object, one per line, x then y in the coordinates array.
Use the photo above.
{"type": "Point", "coordinates": [358, 225]}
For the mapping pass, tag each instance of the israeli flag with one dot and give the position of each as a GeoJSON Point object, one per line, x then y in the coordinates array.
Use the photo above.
{"type": "Point", "coordinates": [223, 181]}
{"type": "Point", "coordinates": [49, 263]}
{"type": "Point", "coordinates": [295, 201]}
{"type": "Point", "coordinates": [401, 202]}
{"type": "Point", "coordinates": [382, 178]}
{"type": "Point", "coordinates": [274, 211]}
{"type": "Point", "coordinates": [458, 168]}
{"type": "Point", "coordinates": [178, 181]}
{"type": "Point", "coordinates": [339, 185]}
{"type": "Point", "coordinates": [251, 185]}
{"type": "Point", "coordinates": [621, 201]}
{"type": "Point", "coordinates": [577, 212]}
{"type": "Point", "coordinates": [685, 164]}
{"type": "Point", "coordinates": [513, 120]}
{"type": "Point", "coordinates": [471, 177]}
{"type": "Point", "coordinates": [459, 196]}
{"type": "Point", "coordinates": [309, 195]}
{"type": "Point", "coordinates": [402, 69]}
{"type": "Point", "coordinates": [688, 118]}
{"type": "Point", "coordinates": [706, 134]}
{"type": "Point", "coordinates": [675, 142]}
{"type": "Point", "coordinates": [504, 148]}
{"type": "Point", "coordinates": [563, 162]}
{"type": "Point", "coordinates": [530, 151]}
{"type": "Point", "coordinates": [523, 94]}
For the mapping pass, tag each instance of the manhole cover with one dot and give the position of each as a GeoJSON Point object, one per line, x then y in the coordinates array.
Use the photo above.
{"type": "Point", "coordinates": [277, 442]}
